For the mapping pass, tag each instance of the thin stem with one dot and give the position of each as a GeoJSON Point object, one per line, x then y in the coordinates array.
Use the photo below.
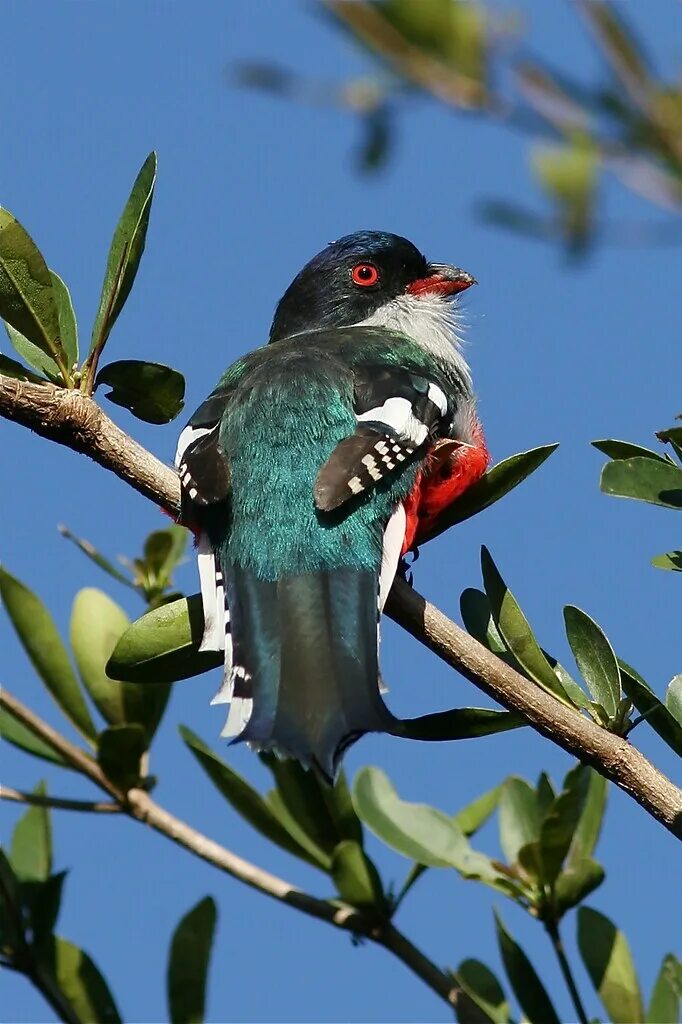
{"type": "Point", "coordinates": [552, 929]}
{"type": "Point", "coordinates": [58, 803]}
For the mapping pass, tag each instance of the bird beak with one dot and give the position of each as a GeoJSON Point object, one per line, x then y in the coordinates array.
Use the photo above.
{"type": "Point", "coordinates": [441, 279]}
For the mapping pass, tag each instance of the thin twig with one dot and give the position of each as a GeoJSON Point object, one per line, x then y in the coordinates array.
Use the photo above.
{"type": "Point", "coordinates": [552, 929]}
{"type": "Point", "coordinates": [57, 802]}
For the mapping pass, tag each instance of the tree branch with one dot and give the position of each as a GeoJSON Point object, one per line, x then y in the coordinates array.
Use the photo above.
{"type": "Point", "coordinates": [58, 803]}
{"type": "Point", "coordinates": [79, 423]}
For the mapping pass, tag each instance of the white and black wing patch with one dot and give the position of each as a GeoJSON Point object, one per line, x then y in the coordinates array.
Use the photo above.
{"type": "Point", "coordinates": [202, 467]}
{"type": "Point", "coordinates": [397, 412]}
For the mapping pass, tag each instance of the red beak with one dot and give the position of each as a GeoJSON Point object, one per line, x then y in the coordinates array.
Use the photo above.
{"type": "Point", "coordinates": [442, 279]}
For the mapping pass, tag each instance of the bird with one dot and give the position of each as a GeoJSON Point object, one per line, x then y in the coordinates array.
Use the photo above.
{"type": "Point", "coordinates": [310, 472]}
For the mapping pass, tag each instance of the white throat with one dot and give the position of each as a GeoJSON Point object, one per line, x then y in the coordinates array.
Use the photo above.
{"type": "Point", "coordinates": [431, 321]}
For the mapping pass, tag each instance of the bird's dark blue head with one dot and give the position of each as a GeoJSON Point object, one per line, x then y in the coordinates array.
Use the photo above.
{"type": "Point", "coordinates": [350, 280]}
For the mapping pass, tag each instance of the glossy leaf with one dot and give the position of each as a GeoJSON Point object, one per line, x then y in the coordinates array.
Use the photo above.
{"type": "Point", "coordinates": [664, 1006]}
{"type": "Point", "coordinates": [459, 724]}
{"type": "Point", "coordinates": [31, 849]}
{"type": "Point", "coordinates": [88, 549]}
{"type": "Point", "coordinates": [16, 733]}
{"type": "Point", "coordinates": [595, 658]}
{"type": "Point", "coordinates": [43, 645]}
{"type": "Point", "coordinates": [80, 981]}
{"type": "Point", "coordinates": [673, 698]}
{"type": "Point", "coordinates": [483, 989]}
{"type": "Point", "coordinates": [577, 880]}
{"type": "Point", "coordinates": [561, 821]}
{"type": "Point", "coordinates": [68, 331]}
{"type": "Point", "coordinates": [478, 620]}
{"type": "Point", "coordinates": [659, 483]}
{"type": "Point", "coordinates": [125, 253]}
{"type": "Point", "coordinates": [647, 703]}
{"type": "Point", "coordinates": [519, 817]}
{"type": "Point", "coordinates": [151, 391]}
{"type": "Point", "coordinates": [97, 624]}
{"type": "Point", "coordinates": [119, 751]}
{"type": "Point", "coordinates": [356, 878]}
{"type": "Point", "coordinates": [33, 355]}
{"type": "Point", "coordinates": [163, 645]}
{"type": "Point", "coordinates": [627, 450]}
{"type": "Point", "coordinates": [27, 300]}
{"type": "Point", "coordinates": [11, 368]}
{"type": "Point", "coordinates": [528, 989]}
{"type": "Point", "coordinates": [246, 801]}
{"type": "Point", "coordinates": [606, 955]}
{"type": "Point", "coordinates": [516, 632]}
{"type": "Point", "coordinates": [671, 560]}
{"type": "Point", "coordinates": [497, 482]}
{"type": "Point", "coordinates": [188, 963]}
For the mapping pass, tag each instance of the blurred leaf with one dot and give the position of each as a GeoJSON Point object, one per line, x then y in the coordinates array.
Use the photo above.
{"type": "Point", "coordinates": [561, 821]}
{"type": "Point", "coordinates": [647, 703]}
{"type": "Point", "coordinates": [551, 99]}
{"type": "Point", "coordinates": [97, 624]}
{"type": "Point", "coordinates": [618, 44]}
{"type": "Point", "coordinates": [31, 851]}
{"type": "Point", "coordinates": [68, 331]}
{"type": "Point", "coordinates": [119, 752]}
{"type": "Point", "coordinates": [459, 724]}
{"type": "Point", "coordinates": [188, 963]}
{"type": "Point", "coordinates": [528, 988]}
{"type": "Point", "coordinates": [43, 901]}
{"type": "Point", "coordinates": [11, 926]}
{"type": "Point", "coordinates": [577, 880]}
{"type": "Point", "coordinates": [595, 658]}
{"type": "Point", "coordinates": [659, 483]}
{"type": "Point", "coordinates": [627, 450]}
{"type": "Point", "coordinates": [81, 982]}
{"type": "Point", "coordinates": [125, 253]}
{"type": "Point", "coordinates": [356, 878]}
{"type": "Point", "coordinates": [11, 368]}
{"type": "Point", "coordinates": [516, 218]}
{"type": "Point", "coordinates": [163, 645]}
{"type": "Point", "coordinates": [483, 989]}
{"type": "Point", "coordinates": [151, 391]}
{"type": "Point", "coordinates": [497, 482]}
{"type": "Point", "coordinates": [519, 817]}
{"type": "Point", "coordinates": [589, 825]}
{"type": "Point", "coordinates": [41, 641]}
{"type": "Point", "coordinates": [606, 955]}
{"type": "Point", "coordinates": [33, 355]}
{"type": "Point", "coordinates": [516, 632]}
{"type": "Point", "coordinates": [664, 1006]}
{"type": "Point", "coordinates": [15, 732]}
{"type": "Point", "coordinates": [673, 698]}
{"type": "Point", "coordinates": [568, 174]}
{"type": "Point", "coordinates": [671, 560]}
{"type": "Point", "coordinates": [88, 549]}
{"type": "Point", "coordinates": [246, 801]}
{"type": "Point", "coordinates": [27, 299]}
{"type": "Point", "coordinates": [377, 139]}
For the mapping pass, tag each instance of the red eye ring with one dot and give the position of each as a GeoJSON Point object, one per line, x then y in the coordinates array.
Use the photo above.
{"type": "Point", "coordinates": [364, 275]}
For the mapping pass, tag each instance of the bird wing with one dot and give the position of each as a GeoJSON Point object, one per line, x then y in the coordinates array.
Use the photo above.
{"type": "Point", "coordinates": [201, 464]}
{"type": "Point", "coordinates": [397, 412]}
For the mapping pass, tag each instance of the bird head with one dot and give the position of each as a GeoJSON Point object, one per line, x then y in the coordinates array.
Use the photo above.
{"type": "Point", "coordinates": [369, 277]}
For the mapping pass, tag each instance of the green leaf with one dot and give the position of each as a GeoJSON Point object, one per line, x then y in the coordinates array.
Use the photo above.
{"type": "Point", "coordinates": [125, 253]}
{"type": "Point", "coordinates": [528, 988]}
{"type": "Point", "coordinates": [11, 368]}
{"type": "Point", "coordinates": [516, 632]}
{"type": "Point", "coordinates": [27, 299]}
{"type": "Point", "coordinates": [577, 880]}
{"type": "Point", "coordinates": [589, 825]}
{"type": "Point", "coordinates": [303, 796]}
{"type": "Point", "coordinates": [519, 817]}
{"type": "Point", "coordinates": [472, 817]}
{"type": "Point", "coordinates": [356, 878]}
{"type": "Point", "coordinates": [188, 962]}
{"type": "Point", "coordinates": [606, 955]}
{"type": "Point", "coordinates": [647, 703]}
{"type": "Point", "coordinates": [16, 733]}
{"type": "Point", "coordinates": [31, 851]}
{"type": "Point", "coordinates": [81, 982]}
{"type": "Point", "coordinates": [163, 645]}
{"type": "Point", "coordinates": [34, 356]}
{"type": "Point", "coordinates": [481, 987]}
{"type": "Point", "coordinates": [151, 391]}
{"type": "Point", "coordinates": [659, 483]}
{"type": "Point", "coordinates": [163, 550]}
{"type": "Point", "coordinates": [68, 331]}
{"type": "Point", "coordinates": [246, 801]}
{"type": "Point", "coordinates": [671, 560]}
{"type": "Point", "coordinates": [119, 751]}
{"type": "Point", "coordinates": [339, 803]}
{"type": "Point", "coordinates": [41, 641]}
{"type": "Point", "coordinates": [561, 821]}
{"type": "Point", "coordinates": [545, 794]}
{"type": "Point", "coordinates": [97, 624]}
{"type": "Point", "coordinates": [673, 698]}
{"type": "Point", "coordinates": [664, 1006]}
{"type": "Point", "coordinates": [88, 549]}
{"type": "Point", "coordinates": [568, 175]}
{"type": "Point", "coordinates": [43, 900]}
{"type": "Point", "coordinates": [11, 925]}
{"type": "Point", "coordinates": [595, 658]}
{"type": "Point", "coordinates": [626, 450]}
{"type": "Point", "coordinates": [478, 621]}
{"type": "Point", "coordinates": [619, 45]}
{"type": "Point", "coordinates": [497, 482]}
{"type": "Point", "coordinates": [459, 724]}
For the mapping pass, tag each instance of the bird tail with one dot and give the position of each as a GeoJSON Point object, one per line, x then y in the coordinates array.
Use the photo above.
{"type": "Point", "coordinates": [304, 679]}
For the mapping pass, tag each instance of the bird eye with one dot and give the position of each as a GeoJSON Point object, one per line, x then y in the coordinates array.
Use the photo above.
{"type": "Point", "coordinates": [365, 275]}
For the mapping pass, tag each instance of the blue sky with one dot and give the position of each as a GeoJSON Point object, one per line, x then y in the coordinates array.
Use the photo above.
{"type": "Point", "coordinates": [249, 188]}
